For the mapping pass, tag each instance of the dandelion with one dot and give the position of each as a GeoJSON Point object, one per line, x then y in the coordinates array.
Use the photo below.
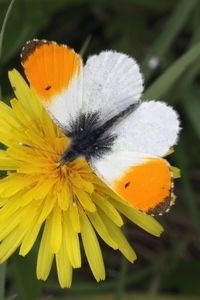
{"type": "Point", "coordinates": [66, 203]}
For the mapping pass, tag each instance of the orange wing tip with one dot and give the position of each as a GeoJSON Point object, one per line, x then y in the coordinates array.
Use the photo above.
{"type": "Point", "coordinates": [163, 207]}
{"type": "Point", "coordinates": [148, 187]}
{"type": "Point", "coordinates": [30, 48]}
{"type": "Point", "coordinates": [49, 67]}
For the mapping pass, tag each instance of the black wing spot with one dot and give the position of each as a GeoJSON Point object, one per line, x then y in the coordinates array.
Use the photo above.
{"type": "Point", "coordinates": [14, 88]}
{"type": "Point", "coordinates": [127, 184]}
{"type": "Point", "coordinates": [48, 87]}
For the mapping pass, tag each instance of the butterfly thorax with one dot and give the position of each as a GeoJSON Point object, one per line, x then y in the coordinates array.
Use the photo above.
{"type": "Point", "coordinates": [90, 137]}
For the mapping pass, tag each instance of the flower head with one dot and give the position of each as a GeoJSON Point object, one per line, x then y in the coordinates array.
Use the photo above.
{"type": "Point", "coordinates": [67, 203]}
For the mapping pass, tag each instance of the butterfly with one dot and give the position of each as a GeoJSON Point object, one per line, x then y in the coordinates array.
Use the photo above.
{"type": "Point", "coordinates": [98, 107]}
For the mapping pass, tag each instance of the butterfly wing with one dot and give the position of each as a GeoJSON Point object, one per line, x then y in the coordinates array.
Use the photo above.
{"type": "Point", "coordinates": [55, 73]}
{"type": "Point", "coordinates": [134, 168]}
{"type": "Point", "coordinates": [144, 181]}
{"type": "Point", "coordinates": [152, 128]}
{"type": "Point", "coordinates": [112, 82]}
{"type": "Point", "coordinates": [109, 82]}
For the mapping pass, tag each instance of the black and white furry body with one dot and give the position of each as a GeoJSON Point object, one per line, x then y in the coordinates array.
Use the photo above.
{"type": "Point", "coordinates": [90, 137]}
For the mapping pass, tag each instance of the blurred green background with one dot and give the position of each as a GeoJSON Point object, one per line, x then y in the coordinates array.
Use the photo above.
{"type": "Point", "coordinates": [164, 37]}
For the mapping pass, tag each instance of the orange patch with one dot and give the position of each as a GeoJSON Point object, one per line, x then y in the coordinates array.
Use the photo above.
{"type": "Point", "coordinates": [49, 67]}
{"type": "Point", "coordinates": [147, 186]}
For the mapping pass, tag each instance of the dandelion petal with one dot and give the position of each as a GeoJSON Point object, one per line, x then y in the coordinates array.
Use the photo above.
{"type": "Point", "coordinates": [45, 256]}
{"type": "Point", "coordinates": [92, 249]}
{"type": "Point", "coordinates": [64, 266]}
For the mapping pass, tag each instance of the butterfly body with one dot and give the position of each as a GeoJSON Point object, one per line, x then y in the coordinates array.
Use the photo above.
{"type": "Point", "coordinates": [87, 140]}
{"type": "Point", "coordinates": [90, 138]}
{"type": "Point", "coordinates": [98, 107]}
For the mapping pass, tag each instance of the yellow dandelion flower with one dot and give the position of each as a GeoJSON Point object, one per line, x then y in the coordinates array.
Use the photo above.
{"type": "Point", "coordinates": [67, 203]}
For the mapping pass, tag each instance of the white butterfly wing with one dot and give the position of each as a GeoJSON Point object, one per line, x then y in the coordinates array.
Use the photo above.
{"type": "Point", "coordinates": [152, 128]}
{"type": "Point", "coordinates": [111, 82]}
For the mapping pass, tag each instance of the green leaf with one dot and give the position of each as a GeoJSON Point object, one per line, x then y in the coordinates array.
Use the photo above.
{"type": "Point", "coordinates": [2, 280]}
{"type": "Point", "coordinates": [191, 103]}
{"type": "Point", "coordinates": [25, 276]}
{"type": "Point", "coordinates": [187, 188]}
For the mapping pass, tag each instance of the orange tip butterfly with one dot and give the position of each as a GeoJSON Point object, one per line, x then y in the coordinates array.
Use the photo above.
{"type": "Point", "coordinates": [98, 106]}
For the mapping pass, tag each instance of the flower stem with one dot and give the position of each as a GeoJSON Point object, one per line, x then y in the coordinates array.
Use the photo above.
{"type": "Point", "coordinates": [2, 280]}
{"type": "Point", "coordinates": [121, 282]}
